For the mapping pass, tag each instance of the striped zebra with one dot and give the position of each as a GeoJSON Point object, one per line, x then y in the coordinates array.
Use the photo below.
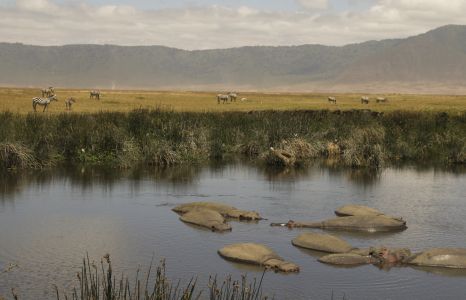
{"type": "Point", "coordinates": [69, 102]}
{"type": "Point", "coordinates": [332, 100]}
{"type": "Point", "coordinates": [94, 95]}
{"type": "Point", "coordinates": [364, 100]}
{"type": "Point", "coordinates": [223, 98]}
{"type": "Point", "coordinates": [48, 92]}
{"type": "Point", "coordinates": [43, 102]}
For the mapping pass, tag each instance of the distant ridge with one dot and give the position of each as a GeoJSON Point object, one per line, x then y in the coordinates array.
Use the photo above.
{"type": "Point", "coordinates": [430, 62]}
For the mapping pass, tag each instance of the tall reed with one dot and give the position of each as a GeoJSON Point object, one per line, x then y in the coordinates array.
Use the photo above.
{"type": "Point", "coordinates": [166, 138]}
{"type": "Point", "coordinates": [100, 283]}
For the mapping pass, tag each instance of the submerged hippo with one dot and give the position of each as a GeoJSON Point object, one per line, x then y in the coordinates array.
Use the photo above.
{"type": "Point", "coordinates": [206, 218]}
{"type": "Point", "coordinates": [370, 223]}
{"type": "Point", "coordinates": [347, 259]}
{"type": "Point", "coordinates": [382, 256]}
{"type": "Point", "coordinates": [360, 210]}
{"type": "Point", "coordinates": [441, 257]}
{"type": "Point", "coordinates": [256, 254]}
{"type": "Point", "coordinates": [356, 210]}
{"type": "Point", "coordinates": [321, 242]}
{"type": "Point", "coordinates": [387, 256]}
{"type": "Point", "coordinates": [225, 210]}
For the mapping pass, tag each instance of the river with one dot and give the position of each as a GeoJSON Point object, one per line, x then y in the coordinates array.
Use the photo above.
{"type": "Point", "coordinates": [49, 220]}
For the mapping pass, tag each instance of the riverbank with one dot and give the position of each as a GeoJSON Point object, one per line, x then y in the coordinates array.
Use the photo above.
{"type": "Point", "coordinates": [356, 138]}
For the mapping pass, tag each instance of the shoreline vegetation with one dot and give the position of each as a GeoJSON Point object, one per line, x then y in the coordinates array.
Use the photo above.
{"type": "Point", "coordinates": [163, 138]}
{"type": "Point", "coordinates": [98, 281]}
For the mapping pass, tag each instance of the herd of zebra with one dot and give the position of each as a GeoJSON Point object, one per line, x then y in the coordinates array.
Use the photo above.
{"type": "Point", "coordinates": [231, 96]}
{"type": "Point", "coordinates": [364, 100]}
{"type": "Point", "coordinates": [48, 95]}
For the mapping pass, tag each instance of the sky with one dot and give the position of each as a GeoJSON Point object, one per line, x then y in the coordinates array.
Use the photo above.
{"type": "Point", "coordinates": [207, 24]}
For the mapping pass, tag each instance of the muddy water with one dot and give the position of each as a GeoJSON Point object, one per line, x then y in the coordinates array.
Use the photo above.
{"type": "Point", "coordinates": [49, 220]}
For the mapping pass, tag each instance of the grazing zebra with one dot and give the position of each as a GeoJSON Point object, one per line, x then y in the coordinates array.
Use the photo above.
{"type": "Point", "coordinates": [381, 100]}
{"type": "Point", "coordinates": [47, 92]}
{"type": "Point", "coordinates": [223, 97]}
{"type": "Point", "coordinates": [94, 95]}
{"type": "Point", "coordinates": [364, 100]}
{"type": "Point", "coordinates": [233, 96]}
{"type": "Point", "coordinates": [332, 99]}
{"type": "Point", "coordinates": [69, 102]}
{"type": "Point", "coordinates": [43, 102]}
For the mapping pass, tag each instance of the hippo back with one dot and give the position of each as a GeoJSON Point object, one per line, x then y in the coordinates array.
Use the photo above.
{"type": "Point", "coordinates": [369, 223]}
{"type": "Point", "coordinates": [321, 242]}
{"type": "Point", "coordinates": [248, 252]}
{"type": "Point", "coordinates": [441, 257]}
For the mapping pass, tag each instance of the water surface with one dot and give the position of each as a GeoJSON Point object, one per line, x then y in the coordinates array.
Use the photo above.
{"type": "Point", "coordinates": [49, 220]}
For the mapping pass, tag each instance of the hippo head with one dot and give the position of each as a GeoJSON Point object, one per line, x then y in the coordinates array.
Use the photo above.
{"type": "Point", "coordinates": [388, 256]}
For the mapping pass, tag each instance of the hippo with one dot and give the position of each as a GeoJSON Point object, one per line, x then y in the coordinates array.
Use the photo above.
{"type": "Point", "coordinates": [356, 210]}
{"type": "Point", "coordinates": [321, 242]}
{"type": "Point", "coordinates": [387, 256]}
{"type": "Point", "coordinates": [369, 223]}
{"type": "Point", "coordinates": [206, 218]}
{"type": "Point", "coordinates": [347, 259]}
{"type": "Point", "coordinates": [360, 210]}
{"type": "Point", "coordinates": [256, 254]}
{"type": "Point", "coordinates": [440, 257]}
{"type": "Point", "coordinates": [225, 210]}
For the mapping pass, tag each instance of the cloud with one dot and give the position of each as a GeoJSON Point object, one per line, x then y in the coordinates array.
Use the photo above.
{"type": "Point", "coordinates": [313, 4]}
{"type": "Point", "coordinates": [45, 22]}
{"type": "Point", "coordinates": [43, 6]}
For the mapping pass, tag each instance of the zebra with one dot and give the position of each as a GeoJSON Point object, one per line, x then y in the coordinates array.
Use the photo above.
{"type": "Point", "coordinates": [381, 99]}
{"type": "Point", "coordinates": [94, 95]}
{"type": "Point", "coordinates": [223, 97]}
{"type": "Point", "coordinates": [364, 100]}
{"type": "Point", "coordinates": [233, 96]}
{"type": "Point", "coordinates": [332, 99]}
{"type": "Point", "coordinates": [47, 92]}
{"type": "Point", "coordinates": [43, 102]}
{"type": "Point", "coordinates": [69, 102]}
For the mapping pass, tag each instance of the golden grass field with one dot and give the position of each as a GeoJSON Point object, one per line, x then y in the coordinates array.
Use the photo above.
{"type": "Point", "coordinates": [19, 100]}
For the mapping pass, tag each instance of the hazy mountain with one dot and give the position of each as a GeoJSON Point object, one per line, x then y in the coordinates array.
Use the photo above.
{"type": "Point", "coordinates": [437, 56]}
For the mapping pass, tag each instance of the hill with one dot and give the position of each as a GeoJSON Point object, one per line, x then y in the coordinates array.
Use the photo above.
{"type": "Point", "coordinates": [429, 62]}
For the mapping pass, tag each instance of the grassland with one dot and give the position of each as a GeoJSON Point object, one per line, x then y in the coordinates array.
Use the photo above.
{"type": "Point", "coordinates": [125, 128]}
{"type": "Point", "coordinates": [18, 100]}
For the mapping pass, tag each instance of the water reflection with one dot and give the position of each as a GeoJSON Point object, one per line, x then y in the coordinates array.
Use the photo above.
{"type": "Point", "coordinates": [183, 176]}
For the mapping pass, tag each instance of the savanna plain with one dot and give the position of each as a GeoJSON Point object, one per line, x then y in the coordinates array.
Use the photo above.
{"type": "Point", "coordinates": [18, 100]}
{"type": "Point", "coordinates": [104, 176]}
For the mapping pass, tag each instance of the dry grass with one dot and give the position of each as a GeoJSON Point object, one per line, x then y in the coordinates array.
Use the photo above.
{"type": "Point", "coordinates": [19, 100]}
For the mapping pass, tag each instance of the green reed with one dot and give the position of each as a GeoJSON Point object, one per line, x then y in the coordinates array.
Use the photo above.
{"type": "Point", "coordinates": [98, 282]}
{"type": "Point", "coordinates": [165, 138]}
